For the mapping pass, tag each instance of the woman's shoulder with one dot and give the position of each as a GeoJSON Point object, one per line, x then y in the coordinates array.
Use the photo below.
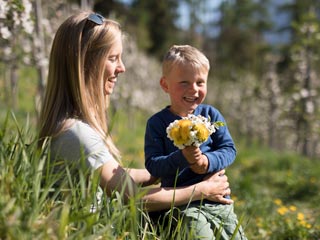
{"type": "Point", "coordinates": [77, 132]}
{"type": "Point", "coordinates": [80, 138]}
{"type": "Point", "coordinates": [74, 128]}
{"type": "Point", "coordinates": [81, 127]}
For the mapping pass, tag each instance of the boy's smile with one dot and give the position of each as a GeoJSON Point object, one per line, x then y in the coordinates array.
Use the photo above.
{"type": "Point", "coordinates": [187, 88]}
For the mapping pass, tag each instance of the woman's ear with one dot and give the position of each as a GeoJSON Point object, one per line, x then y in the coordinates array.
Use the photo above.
{"type": "Point", "coordinates": [163, 84]}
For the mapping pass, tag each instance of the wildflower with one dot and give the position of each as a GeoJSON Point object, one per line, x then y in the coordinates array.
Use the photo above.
{"type": "Point", "coordinates": [300, 216]}
{"type": "Point", "coordinates": [202, 132]}
{"type": "Point", "coordinates": [305, 224]}
{"type": "Point", "coordinates": [5, 32]}
{"type": "Point", "coordinates": [293, 208]}
{"type": "Point", "coordinates": [282, 210]}
{"type": "Point", "coordinates": [185, 126]}
{"type": "Point", "coordinates": [259, 222]}
{"type": "Point", "coordinates": [191, 130]}
{"type": "Point", "coordinates": [313, 180]}
{"type": "Point", "coordinates": [278, 201]}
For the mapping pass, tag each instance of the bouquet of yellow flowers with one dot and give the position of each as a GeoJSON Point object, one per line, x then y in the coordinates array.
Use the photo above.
{"type": "Point", "coordinates": [191, 130]}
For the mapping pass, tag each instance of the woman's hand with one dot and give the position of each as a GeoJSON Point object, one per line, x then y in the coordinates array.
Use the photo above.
{"type": "Point", "coordinates": [215, 187]}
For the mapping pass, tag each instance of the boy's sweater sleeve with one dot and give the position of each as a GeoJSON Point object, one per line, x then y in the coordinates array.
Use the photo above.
{"type": "Point", "coordinates": [157, 162]}
{"type": "Point", "coordinates": [220, 150]}
{"type": "Point", "coordinates": [224, 152]}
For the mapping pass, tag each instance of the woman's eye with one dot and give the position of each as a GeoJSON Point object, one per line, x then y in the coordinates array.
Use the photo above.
{"type": "Point", "coordinates": [113, 59]}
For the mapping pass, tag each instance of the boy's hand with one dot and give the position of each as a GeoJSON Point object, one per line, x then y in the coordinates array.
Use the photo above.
{"type": "Point", "coordinates": [198, 162]}
{"type": "Point", "coordinates": [201, 166]}
{"type": "Point", "coordinates": [192, 154]}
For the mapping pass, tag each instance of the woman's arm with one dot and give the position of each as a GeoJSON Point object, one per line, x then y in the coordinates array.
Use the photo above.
{"type": "Point", "coordinates": [114, 177]}
{"type": "Point", "coordinates": [142, 176]}
{"type": "Point", "coordinates": [214, 188]}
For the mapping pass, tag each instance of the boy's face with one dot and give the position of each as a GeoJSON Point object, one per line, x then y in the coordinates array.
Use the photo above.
{"type": "Point", "coordinates": [187, 88]}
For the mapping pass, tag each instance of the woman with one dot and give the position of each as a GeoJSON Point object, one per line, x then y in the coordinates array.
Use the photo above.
{"type": "Point", "coordinates": [84, 64]}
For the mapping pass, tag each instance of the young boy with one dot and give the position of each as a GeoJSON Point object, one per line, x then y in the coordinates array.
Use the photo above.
{"type": "Point", "coordinates": [184, 78]}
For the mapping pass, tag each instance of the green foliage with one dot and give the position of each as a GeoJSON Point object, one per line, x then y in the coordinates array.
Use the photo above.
{"type": "Point", "coordinates": [148, 19]}
{"type": "Point", "coordinates": [275, 193]}
{"type": "Point", "coordinates": [240, 43]}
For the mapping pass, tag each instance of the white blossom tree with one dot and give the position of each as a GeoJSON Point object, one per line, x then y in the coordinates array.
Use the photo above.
{"type": "Point", "coordinates": [16, 27]}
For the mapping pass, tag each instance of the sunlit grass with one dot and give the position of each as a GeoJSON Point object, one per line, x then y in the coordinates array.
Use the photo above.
{"type": "Point", "coordinates": [259, 177]}
{"type": "Point", "coordinates": [276, 194]}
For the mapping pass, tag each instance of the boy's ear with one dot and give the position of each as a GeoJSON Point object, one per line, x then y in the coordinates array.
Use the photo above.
{"type": "Point", "coordinates": [163, 84]}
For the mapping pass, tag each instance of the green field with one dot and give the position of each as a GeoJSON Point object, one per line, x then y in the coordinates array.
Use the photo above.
{"type": "Point", "coordinates": [276, 194]}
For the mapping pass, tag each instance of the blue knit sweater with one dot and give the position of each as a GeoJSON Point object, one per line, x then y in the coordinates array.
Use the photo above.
{"type": "Point", "coordinates": [164, 160]}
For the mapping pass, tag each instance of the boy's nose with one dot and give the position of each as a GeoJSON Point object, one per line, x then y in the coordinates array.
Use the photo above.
{"type": "Point", "coordinates": [194, 87]}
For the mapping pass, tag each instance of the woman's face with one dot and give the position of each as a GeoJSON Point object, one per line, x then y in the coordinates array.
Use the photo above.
{"type": "Point", "coordinates": [113, 66]}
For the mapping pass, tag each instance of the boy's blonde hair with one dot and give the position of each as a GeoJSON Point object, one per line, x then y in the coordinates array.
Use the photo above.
{"type": "Point", "coordinates": [75, 87]}
{"type": "Point", "coordinates": [184, 54]}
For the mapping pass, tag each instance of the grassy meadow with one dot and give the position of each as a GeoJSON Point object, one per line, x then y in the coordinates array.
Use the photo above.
{"type": "Point", "coordinates": [276, 194]}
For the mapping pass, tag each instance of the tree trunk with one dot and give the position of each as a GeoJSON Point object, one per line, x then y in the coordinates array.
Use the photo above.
{"type": "Point", "coordinates": [307, 127]}
{"type": "Point", "coordinates": [39, 55]}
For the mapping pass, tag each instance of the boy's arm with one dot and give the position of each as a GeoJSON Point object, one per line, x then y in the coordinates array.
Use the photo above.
{"type": "Point", "coordinates": [220, 149]}
{"type": "Point", "coordinates": [222, 153]}
{"type": "Point", "coordinates": [159, 160]}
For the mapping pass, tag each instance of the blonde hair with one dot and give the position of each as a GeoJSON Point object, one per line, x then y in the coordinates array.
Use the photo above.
{"type": "Point", "coordinates": [75, 87]}
{"type": "Point", "coordinates": [184, 54]}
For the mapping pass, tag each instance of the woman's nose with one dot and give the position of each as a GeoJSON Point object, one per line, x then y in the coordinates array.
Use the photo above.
{"type": "Point", "coordinates": [121, 68]}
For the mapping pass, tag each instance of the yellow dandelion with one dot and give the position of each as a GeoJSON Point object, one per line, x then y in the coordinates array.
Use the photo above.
{"type": "Point", "coordinates": [175, 133]}
{"type": "Point", "coordinates": [202, 132]}
{"type": "Point", "coordinates": [234, 197]}
{"type": "Point", "coordinates": [259, 222]}
{"type": "Point", "coordinates": [303, 223]}
{"type": "Point", "coordinates": [282, 210]}
{"type": "Point", "coordinates": [300, 216]}
{"type": "Point", "coordinates": [185, 126]}
{"type": "Point", "coordinates": [289, 173]}
{"type": "Point", "coordinates": [278, 202]}
{"type": "Point", "coordinates": [293, 208]}
{"type": "Point", "coordinates": [191, 131]}
{"type": "Point", "coordinates": [313, 180]}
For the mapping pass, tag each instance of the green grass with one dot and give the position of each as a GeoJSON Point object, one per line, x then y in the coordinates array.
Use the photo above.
{"type": "Point", "coordinates": [276, 194]}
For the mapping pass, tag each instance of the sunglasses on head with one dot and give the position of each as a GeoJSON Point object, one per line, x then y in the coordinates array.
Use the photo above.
{"type": "Point", "coordinates": [96, 18]}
